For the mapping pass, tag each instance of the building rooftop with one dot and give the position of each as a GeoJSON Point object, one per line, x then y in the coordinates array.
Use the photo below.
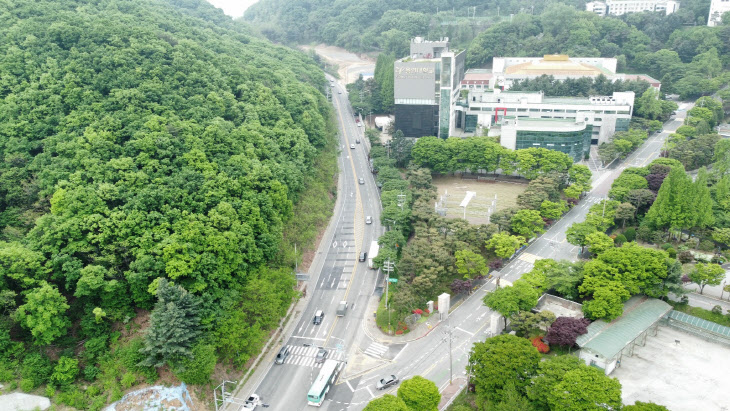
{"type": "Point", "coordinates": [556, 65]}
{"type": "Point", "coordinates": [608, 339]}
{"type": "Point", "coordinates": [545, 124]}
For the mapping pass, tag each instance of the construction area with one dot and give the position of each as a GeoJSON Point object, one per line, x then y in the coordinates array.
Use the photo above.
{"type": "Point", "coordinates": [452, 190]}
{"type": "Point", "coordinates": [678, 370]}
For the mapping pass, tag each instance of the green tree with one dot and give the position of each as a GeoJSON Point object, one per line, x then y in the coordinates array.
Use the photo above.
{"type": "Point", "coordinates": [578, 233]}
{"type": "Point", "coordinates": [510, 300]}
{"type": "Point", "coordinates": [44, 314]}
{"type": "Point", "coordinates": [419, 393]}
{"type": "Point", "coordinates": [585, 388]}
{"type": "Point", "coordinates": [625, 212]}
{"type": "Point", "coordinates": [504, 245]}
{"type": "Point", "coordinates": [707, 274]}
{"type": "Point", "coordinates": [672, 207]}
{"type": "Point", "coordinates": [198, 368]}
{"type": "Point", "coordinates": [174, 326]}
{"type": "Point", "coordinates": [387, 403]}
{"type": "Point", "coordinates": [598, 242]}
{"type": "Point", "coordinates": [553, 210]}
{"type": "Point", "coordinates": [607, 302]}
{"type": "Point", "coordinates": [525, 321]}
{"type": "Point", "coordinates": [470, 264]}
{"type": "Point", "coordinates": [550, 373]}
{"type": "Point", "coordinates": [502, 361]}
{"type": "Point", "coordinates": [527, 223]}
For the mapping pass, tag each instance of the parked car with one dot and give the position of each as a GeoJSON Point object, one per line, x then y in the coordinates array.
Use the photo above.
{"type": "Point", "coordinates": [386, 382]}
{"type": "Point", "coordinates": [359, 124]}
{"type": "Point", "coordinates": [251, 402]}
{"type": "Point", "coordinates": [361, 180]}
{"type": "Point", "coordinates": [368, 220]}
{"type": "Point", "coordinates": [321, 356]}
{"type": "Point", "coordinates": [318, 317]}
{"type": "Point", "coordinates": [281, 356]}
{"type": "Point", "coordinates": [363, 257]}
{"type": "Point", "coordinates": [357, 140]}
{"type": "Point", "coordinates": [352, 146]}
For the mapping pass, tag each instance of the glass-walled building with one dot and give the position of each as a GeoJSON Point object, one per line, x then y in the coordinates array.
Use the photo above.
{"type": "Point", "coordinates": [565, 135]}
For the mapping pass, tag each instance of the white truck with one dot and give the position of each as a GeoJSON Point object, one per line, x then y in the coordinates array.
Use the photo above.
{"type": "Point", "coordinates": [374, 247]}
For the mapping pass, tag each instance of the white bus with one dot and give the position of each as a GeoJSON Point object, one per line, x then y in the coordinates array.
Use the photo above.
{"type": "Point", "coordinates": [327, 376]}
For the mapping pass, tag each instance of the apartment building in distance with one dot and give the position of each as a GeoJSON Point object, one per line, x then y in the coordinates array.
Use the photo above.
{"type": "Point", "coordinates": [621, 7]}
{"type": "Point", "coordinates": [425, 85]}
{"type": "Point", "coordinates": [529, 119]}
{"type": "Point", "coordinates": [717, 9]}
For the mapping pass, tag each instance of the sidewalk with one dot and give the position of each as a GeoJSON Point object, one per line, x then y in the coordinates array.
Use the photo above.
{"type": "Point", "coordinates": [451, 391]}
{"type": "Point", "coordinates": [418, 331]}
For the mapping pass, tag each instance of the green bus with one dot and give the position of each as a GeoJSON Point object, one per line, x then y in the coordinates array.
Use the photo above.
{"type": "Point", "coordinates": [327, 376]}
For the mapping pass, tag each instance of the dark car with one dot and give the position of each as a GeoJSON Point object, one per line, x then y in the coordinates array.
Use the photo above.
{"type": "Point", "coordinates": [363, 256]}
{"type": "Point", "coordinates": [281, 356]}
{"type": "Point", "coordinates": [318, 317]}
{"type": "Point", "coordinates": [386, 382]}
{"type": "Point", "coordinates": [321, 356]}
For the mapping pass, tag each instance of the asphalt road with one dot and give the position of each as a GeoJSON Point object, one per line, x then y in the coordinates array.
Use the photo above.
{"type": "Point", "coordinates": [334, 277]}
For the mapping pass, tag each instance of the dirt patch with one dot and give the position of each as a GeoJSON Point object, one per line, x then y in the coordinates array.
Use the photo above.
{"type": "Point", "coordinates": [350, 65]}
{"type": "Point", "coordinates": [454, 188]}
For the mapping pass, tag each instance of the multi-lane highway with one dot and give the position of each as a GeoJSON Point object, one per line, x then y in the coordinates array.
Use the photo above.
{"type": "Point", "coordinates": [336, 275]}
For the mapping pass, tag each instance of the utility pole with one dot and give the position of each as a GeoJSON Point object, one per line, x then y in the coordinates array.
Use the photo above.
{"type": "Point", "coordinates": [388, 268]}
{"type": "Point", "coordinates": [605, 200]}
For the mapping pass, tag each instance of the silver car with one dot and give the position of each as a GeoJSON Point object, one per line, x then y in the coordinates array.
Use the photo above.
{"type": "Point", "coordinates": [321, 356]}
{"type": "Point", "coordinates": [386, 382]}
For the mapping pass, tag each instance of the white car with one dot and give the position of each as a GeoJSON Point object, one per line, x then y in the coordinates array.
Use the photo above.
{"type": "Point", "coordinates": [368, 220]}
{"type": "Point", "coordinates": [251, 402]}
{"type": "Point", "coordinates": [352, 146]}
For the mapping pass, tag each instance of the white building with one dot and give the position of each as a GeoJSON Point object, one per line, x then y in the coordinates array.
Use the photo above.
{"type": "Point", "coordinates": [481, 109]}
{"type": "Point", "coordinates": [507, 70]}
{"type": "Point", "coordinates": [717, 9]}
{"type": "Point", "coordinates": [621, 7]}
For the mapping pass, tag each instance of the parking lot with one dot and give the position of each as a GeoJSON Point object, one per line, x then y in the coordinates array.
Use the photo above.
{"type": "Point", "coordinates": [690, 375]}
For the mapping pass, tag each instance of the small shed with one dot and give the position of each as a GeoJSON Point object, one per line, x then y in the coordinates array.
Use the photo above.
{"type": "Point", "coordinates": [605, 344]}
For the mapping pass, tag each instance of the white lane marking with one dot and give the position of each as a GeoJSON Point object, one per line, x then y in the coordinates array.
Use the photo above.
{"type": "Point", "coordinates": [461, 329]}
{"type": "Point", "coordinates": [350, 386]}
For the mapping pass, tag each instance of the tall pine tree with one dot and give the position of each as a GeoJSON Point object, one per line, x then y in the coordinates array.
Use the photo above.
{"type": "Point", "coordinates": [702, 201]}
{"type": "Point", "coordinates": [174, 326]}
{"type": "Point", "coordinates": [673, 208]}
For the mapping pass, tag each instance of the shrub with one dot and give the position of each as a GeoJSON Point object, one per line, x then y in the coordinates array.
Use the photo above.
{"type": "Point", "coordinates": [630, 234]}
{"type": "Point", "coordinates": [685, 257]}
{"type": "Point", "coordinates": [717, 309]}
{"type": "Point", "coordinates": [706, 245]}
{"type": "Point", "coordinates": [620, 239]}
{"type": "Point", "coordinates": [198, 369]}
{"type": "Point", "coordinates": [37, 369]}
{"type": "Point", "coordinates": [672, 252]}
{"type": "Point", "coordinates": [418, 311]}
{"type": "Point", "coordinates": [666, 246]}
{"type": "Point", "coordinates": [91, 372]}
{"type": "Point", "coordinates": [128, 380]}
{"type": "Point", "coordinates": [540, 345]}
{"type": "Point", "coordinates": [644, 233]}
{"type": "Point", "coordinates": [73, 398]}
{"type": "Point", "coordinates": [496, 264]}
{"type": "Point", "coordinates": [657, 237]}
{"type": "Point", "coordinates": [65, 372]}
{"type": "Point", "coordinates": [94, 348]}
{"type": "Point", "coordinates": [399, 332]}
{"type": "Point", "coordinates": [27, 385]}
{"type": "Point", "coordinates": [6, 371]}
{"type": "Point", "coordinates": [50, 391]}
{"type": "Point", "coordinates": [427, 311]}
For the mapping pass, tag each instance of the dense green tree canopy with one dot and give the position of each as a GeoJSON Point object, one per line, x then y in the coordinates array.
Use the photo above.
{"type": "Point", "coordinates": [144, 141]}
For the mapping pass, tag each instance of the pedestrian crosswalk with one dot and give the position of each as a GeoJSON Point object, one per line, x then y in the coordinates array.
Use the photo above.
{"type": "Point", "coordinates": [306, 356]}
{"type": "Point", "coordinates": [376, 350]}
{"type": "Point", "coordinates": [530, 258]}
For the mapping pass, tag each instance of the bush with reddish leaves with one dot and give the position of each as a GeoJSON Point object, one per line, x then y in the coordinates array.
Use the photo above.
{"type": "Point", "coordinates": [427, 311]}
{"type": "Point", "coordinates": [496, 264]}
{"type": "Point", "coordinates": [418, 311]}
{"type": "Point", "coordinates": [399, 332]}
{"type": "Point", "coordinates": [541, 346]}
{"type": "Point", "coordinates": [565, 330]}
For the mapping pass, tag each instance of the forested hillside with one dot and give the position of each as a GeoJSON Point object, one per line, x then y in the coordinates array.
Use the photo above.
{"type": "Point", "coordinates": [383, 25]}
{"type": "Point", "coordinates": [146, 145]}
{"type": "Point", "coordinates": [688, 59]}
